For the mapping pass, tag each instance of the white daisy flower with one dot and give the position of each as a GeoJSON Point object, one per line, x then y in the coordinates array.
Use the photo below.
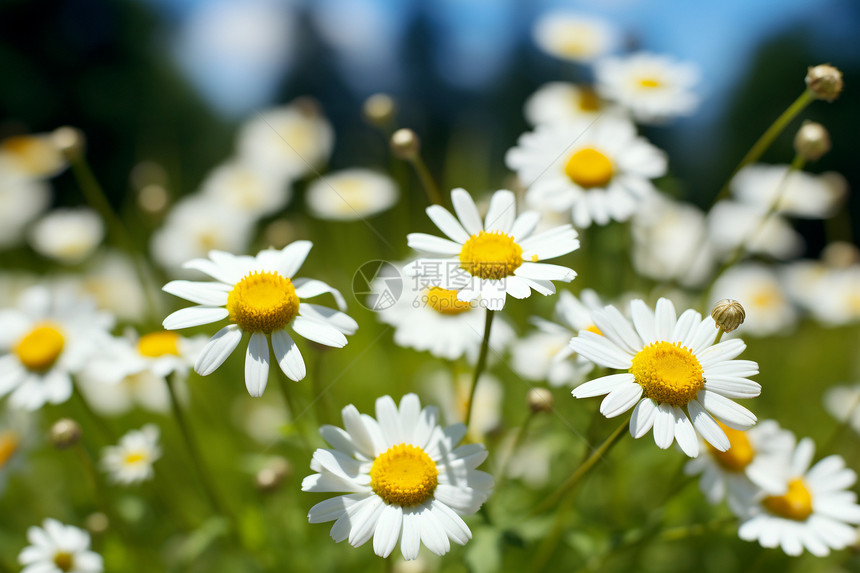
{"type": "Point", "coordinates": [49, 336]}
{"type": "Point", "coordinates": [653, 87]}
{"type": "Point", "coordinates": [574, 37]}
{"type": "Point", "coordinates": [351, 194]}
{"type": "Point", "coordinates": [674, 374]}
{"type": "Point", "coordinates": [131, 460]}
{"type": "Point", "coordinates": [747, 466]}
{"type": "Point", "coordinates": [561, 102]}
{"type": "Point", "coordinates": [34, 156]}
{"type": "Point", "coordinates": [287, 142]}
{"type": "Point", "coordinates": [245, 190]}
{"type": "Point", "coordinates": [259, 296]}
{"type": "Point", "coordinates": [831, 295]}
{"type": "Point", "coordinates": [133, 370]}
{"type": "Point", "coordinates": [16, 434]}
{"type": "Point", "coordinates": [408, 480]}
{"type": "Point", "coordinates": [546, 354]}
{"type": "Point", "coordinates": [67, 235]}
{"type": "Point", "coordinates": [731, 224]}
{"type": "Point", "coordinates": [22, 199]}
{"type": "Point", "coordinates": [758, 288]}
{"type": "Point", "coordinates": [600, 170]}
{"type": "Point", "coordinates": [112, 281]}
{"type": "Point", "coordinates": [452, 395]}
{"type": "Point", "coordinates": [670, 242]}
{"type": "Point", "coordinates": [430, 318]}
{"type": "Point", "coordinates": [58, 548]}
{"type": "Point", "coordinates": [843, 403]}
{"type": "Point", "coordinates": [816, 510]}
{"type": "Point", "coordinates": [799, 194]}
{"type": "Point", "coordinates": [493, 258]}
{"type": "Point", "coordinates": [195, 226]}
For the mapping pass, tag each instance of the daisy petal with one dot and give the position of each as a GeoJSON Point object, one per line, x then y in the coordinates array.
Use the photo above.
{"type": "Point", "coordinates": [387, 530]}
{"type": "Point", "coordinates": [664, 319]}
{"type": "Point", "coordinates": [319, 332]}
{"type": "Point", "coordinates": [288, 355]}
{"type": "Point", "coordinates": [205, 293]}
{"type": "Point", "coordinates": [685, 435]}
{"type": "Point", "coordinates": [293, 256]}
{"type": "Point", "coordinates": [340, 320]}
{"type": "Point", "coordinates": [664, 426]}
{"type": "Point", "coordinates": [601, 386]}
{"type": "Point", "coordinates": [466, 211]}
{"type": "Point", "coordinates": [194, 316]}
{"type": "Point", "coordinates": [216, 351]}
{"type": "Point", "coordinates": [729, 413]}
{"type": "Point", "coordinates": [643, 417]}
{"type": "Point", "coordinates": [309, 288]}
{"type": "Point", "coordinates": [257, 364]}
{"type": "Point", "coordinates": [501, 213]}
{"type": "Point", "coordinates": [546, 272]}
{"type": "Point", "coordinates": [447, 223]}
{"type": "Point", "coordinates": [620, 400]}
{"type": "Point", "coordinates": [432, 244]}
{"type": "Point", "coordinates": [708, 427]}
{"type": "Point", "coordinates": [524, 225]}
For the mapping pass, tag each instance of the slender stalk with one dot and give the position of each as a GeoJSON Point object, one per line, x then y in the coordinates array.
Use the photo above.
{"type": "Point", "coordinates": [582, 470]}
{"type": "Point", "coordinates": [193, 451]}
{"type": "Point", "coordinates": [767, 138]}
{"type": "Point", "coordinates": [520, 436]}
{"type": "Point", "coordinates": [293, 410]}
{"type": "Point", "coordinates": [427, 182]}
{"type": "Point", "coordinates": [720, 334]}
{"type": "Point", "coordinates": [479, 367]}
{"type": "Point", "coordinates": [841, 426]}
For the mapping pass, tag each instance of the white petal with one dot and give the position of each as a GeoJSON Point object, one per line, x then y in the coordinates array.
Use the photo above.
{"type": "Point", "coordinates": [319, 332]}
{"type": "Point", "coordinates": [293, 256]}
{"type": "Point", "coordinates": [365, 521]}
{"type": "Point", "coordinates": [687, 324]}
{"type": "Point", "coordinates": [643, 417]}
{"type": "Point", "coordinates": [600, 350]}
{"type": "Point", "coordinates": [389, 420]}
{"type": "Point", "coordinates": [524, 225]}
{"type": "Point", "coordinates": [664, 319]}
{"type": "Point", "coordinates": [410, 541]}
{"type": "Point", "coordinates": [664, 426]}
{"type": "Point", "coordinates": [433, 534]}
{"type": "Point", "coordinates": [466, 211]}
{"type": "Point", "coordinates": [643, 320]}
{"type": "Point", "coordinates": [257, 364]}
{"type": "Point", "coordinates": [340, 320]}
{"type": "Point", "coordinates": [309, 288]}
{"type": "Point", "coordinates": [454, 525]}
{"type": "Point", "coordinates": [217, 349]}
{"type": "Point", "coordinates": [708, 427]}
{"type": "Point", "coordinates": [194, 316]}
{"type": "Point", "coordinates": [729, 413]}
{"type": "Point", "coordinates": [601, 386]}
{"type": "Point", "coordinates": [733, 387]}
{"type": "Point", "coordinates": [409, 414]}
{"type": "Point", "coordinates": [544, 271]}
{"type": "Point", "coordinates": [501, 213]}
{"type": "Point", "coordinates": [387, 530]}
{"type": "Point", "coordinates": [620, 400]}
{"type": "Point", "coordinates": [447, 223]}
{"type": "Point", "coordinates": [288, 355]}
{"type": "Point", "coordinates": [354, 425]}
{"type": "Point", "coordinates": [205, 293]}
{"type": "Point", "coordinates": [685, 435]}
{"type": "Point", "coordinates": [432, 244]}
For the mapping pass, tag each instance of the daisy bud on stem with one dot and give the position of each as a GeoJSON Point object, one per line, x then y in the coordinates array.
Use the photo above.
{"type": "Point", "coordinates": [65, 433]}
{"type": "Point", "coordinates": [379, 110]}
{"type": "Point", "coordinates": [406, 145]}
{"type": "Point", "coordinates": [728, 314]}
{"type": "Point", "coordinates": [824, 81]}
{"type": "Point", "coordinates": [812, 141]}
{"type": "Point", "coordinates": [70, 141]}
{"type": "Point", "coordinates": [539, 400]}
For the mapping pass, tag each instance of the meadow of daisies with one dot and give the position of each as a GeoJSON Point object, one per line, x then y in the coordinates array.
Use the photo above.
{"type": "Point", "coordinates": [300, 369]}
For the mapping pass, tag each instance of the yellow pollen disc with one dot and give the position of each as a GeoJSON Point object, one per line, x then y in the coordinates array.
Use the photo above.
{"type": "Point", "coordinates": [9, 442]}
{"type": "Point", "coordinates": [795, 504]}
{"type": "Point", "coordinates": [492, 255]}
{"type": "Point", "coordinates": [588, 100]}
{"type": "Point", "coordinates": [39, 349]}
{"type": "Point", "coordinates": [649, 83]}
{"type": "Point", "coordinates": [740, 453]}
{"type": "Point", "coordinates": [157, 344]}
{"type": "Point", "coordinates": [64, 561]}
{"type": "Point", "coordinates": [668, 372]}
{"type": "Point", "coordinates": [589, 168]}
{"type": "Point", "coordinates": [766, 298]}
{"type": "Point", "coordinates": [445, 301]}
{"type": "Point", "coordinates": [263, 302]}
{"type": "Point", "coordinates": [404, 475]}
{"type": "Point", "coordinates": [134, 457]}
{"type": "Point", "coordinates": [593, 328]}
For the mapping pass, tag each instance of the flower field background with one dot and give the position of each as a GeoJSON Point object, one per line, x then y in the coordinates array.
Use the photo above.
{"type": "Point", "coordinates": [225, 226]}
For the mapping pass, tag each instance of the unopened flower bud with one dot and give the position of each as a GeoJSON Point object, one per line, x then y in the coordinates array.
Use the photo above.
{"type": "Point", "coordinates": [65, 433]}
{"type": "Point", "coordinates": [273, 475]}
{"type": "Point", "coordinates": [97, 522]}
{"type": "Point", "coordinates": [70, 141]}
{"type": "Point", "coordinates": [539, 400]}
{"type": "Point", "coordinates": [379, 109]}
{"type": "Point", "coordinates": [728, 314]}
{"type": "Point", "coordinates": [812, 141]}
{"type": "Point", "coordinates": [824, 81]}
{"type": "Point", "coordinates": [405, 144]}
{"type": "Point", "coordinates": [841, 254]}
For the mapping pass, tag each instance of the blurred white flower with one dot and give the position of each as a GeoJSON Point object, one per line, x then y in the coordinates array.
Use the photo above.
{"type": "Point", "coordinates": [245, 190]}
{"type": "Point", "coordinates": [131, 460]}
{"type": "Point", "coordinates": [111, 279]}
{"type": "Point", "coordinates": [287, 142]}
{"type": "Point", "coordinates": [600, 170]}
{"type": "Point", "coordinates": [67, 235]}
{"type": "Point", "coordinates": [31, 156]}
{"type": "Point", "coordinates": [55, 548]}
{"type": "Point", "coordinates": [731, 224]}
{"type": "Point", "coordinates": [800, 194]}
{"type": "Point", "coordinates": [351, 194]}
{"type": "Point", "coordinates": [759, 289]}
{"type": "Point", "coordinates": [573, 36]}
{"type": "Point", "coordinates": [452, 396]}
{"type": "Point", "coordinates": [560, 102]}
{"type": "Point", "coordinates": [843, 403]}
{"type": "Point", "coordinates": [653, 87]}
{"type": "Point", "coordinates": [22, 199]}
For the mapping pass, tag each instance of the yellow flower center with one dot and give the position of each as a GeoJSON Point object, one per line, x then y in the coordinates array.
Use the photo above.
{"type": "Point", "coordinates": [132, 458]}
{"type": "Point", "coordinates": [404, 475]}
{"type": "Point", "coordinates": [649, 83]}
{"type": "Point", "coordinates": [492, 255]}
{"type": "Point", "coordinates": [263, 302]}
{"type": "Point", "coordinates": [34, 155]}
{"type": "Point", "coordinates": [64, 560]}
{"type": "Point", "coordinates": [589, 168]}
{"type": "Point", "coordinates": [9, 442]}
{"type": "Point", "coordinates": [768, 297]}
{"type": "Point", "coordinates": [157, 344]}
{"type": "Point", "coordinates": [588, 100]}
{"type": "Point", "coordinates": [39, 349]}
{"type": "Point", "coordinates": [668, 372]}
{"type": "Point", "coordinates": [740, 453]}
{"type": "Point", "coordinates": [795, 504]}
{"type": "Point", "coordinates": [445, 301]}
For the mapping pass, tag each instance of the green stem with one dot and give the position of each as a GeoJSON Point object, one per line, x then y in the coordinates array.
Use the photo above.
{"type": "Point", "coordinates": [502, 472]}
{"type": "Point", "coordinates": [767, 138]}
{"type": "Point", "coordinates": [582, 470]}
{"type": "Point", "coordinates": [293, 411]}
{"type": "Point", "coordinates": [841, 427]}
{"type": "Point", "coordinates": [430, 187]}
{"type": "Point", "coordinates": [193, 451]}
{"type": "Point", "coordinates": [720, 334]}
{"type": "Point", "coordinates": [479, 367]}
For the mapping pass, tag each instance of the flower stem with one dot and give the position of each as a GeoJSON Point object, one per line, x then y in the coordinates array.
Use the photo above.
{"type": "Point", "coordinates": [293, 411]}
{"type": "Point", "coordinates": [502, 472]}
{"type": "Point", "coordinates": [479, 367]}
{"type": "Point", "coordinates": [427, 182]}
{"type": "Point", "coordinates": [767, 138]}
{"type": "Point", "coordinates": [719, 335]}
{"type": "Point", "coordinates": [193, 451]}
